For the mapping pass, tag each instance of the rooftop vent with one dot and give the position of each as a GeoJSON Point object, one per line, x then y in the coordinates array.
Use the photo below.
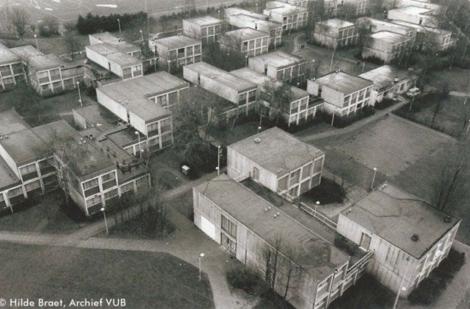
{"type": "Point", "coordinates": [414, 237]}
{"type": "Point", "coordinates": [257, 140]}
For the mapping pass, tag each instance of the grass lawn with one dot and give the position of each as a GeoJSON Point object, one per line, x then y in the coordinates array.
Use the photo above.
{"type": "Point", "coordinates": [450, 115]}
{"type": "Point", "coordinates": [48, 216]}
{"type": "Point", "coordinates": [51, 109]}
{"type": "Point", "coordinates": [457, 79]}
{"type": "Point", "coordinates": [326, 193]}
{"type": "Point", "coordinates": [229, 136]}
{"type": "Point", "coordinates": [145, 280]}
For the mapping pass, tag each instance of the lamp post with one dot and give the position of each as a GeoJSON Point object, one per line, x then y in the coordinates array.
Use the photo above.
{"type": "Point", "coordinates": [259, 129]}
{"type": "Point", "coordinates": [201, 255]}
{"type": "Point", "coordinates": [79, 94]}
{"type": "Point", "coordinates": [119, 25]}
{"type": "Point", "coordinates": [138, 141]}
{"type": "Point", "coordinates": [373, 179]}
{"type": "Point", "coordinates": [218, 159]}
{"type": "Point", "coordinates": [169, 65]}
{"type": "Point", "coordinates": [317, 203]}
{"type": "Point", "coordinates": [141, 35]}
{"type": "Point", "coordinates": [332, 119]}
{"type": "Point", "coordinates": [400, 289]}
{"type": "Point", "coordinates": [36, 41]}
{"type": "Point", "coordinates": [105, 220]}
{"type": "Point", "coordinates": [332, 58]}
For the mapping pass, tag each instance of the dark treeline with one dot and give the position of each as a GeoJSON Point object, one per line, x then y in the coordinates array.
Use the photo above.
{"type": "Point", "coordinates": [97, 23]}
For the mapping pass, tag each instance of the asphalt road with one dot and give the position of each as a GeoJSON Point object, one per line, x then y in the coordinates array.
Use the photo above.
{"type": "Point", "coordinates": [67, 10]}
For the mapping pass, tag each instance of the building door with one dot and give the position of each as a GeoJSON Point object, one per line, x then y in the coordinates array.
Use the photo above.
{"type": "Point", "coordinates": [365, 241]}
{"type": "Point", "coordinates": [229, 244]}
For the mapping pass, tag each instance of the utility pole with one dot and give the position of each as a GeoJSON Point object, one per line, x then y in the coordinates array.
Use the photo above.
{"type": "Point", "coordinates": [332, 58]}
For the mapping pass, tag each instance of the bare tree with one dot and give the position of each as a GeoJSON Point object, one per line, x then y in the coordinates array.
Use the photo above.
{"type": "Point", "coordinates": [451, 178]}
{"type": "Point", "coordinates": [71, 42]}
{"type": "Point", "coordinates": [49, 26]}
{"type": "Point", "coordinates": [279, 96]}
{"type": "Point", "coordinates": [19, 19]}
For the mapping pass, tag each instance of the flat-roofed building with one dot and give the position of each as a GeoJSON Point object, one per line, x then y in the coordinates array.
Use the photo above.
{"type": "Point", "coordinates": [415, 15]}
{"type": "Point", "coordinates": [335, 33]}
{"type": "Point", "coordinates": [145, 103]}
{"type": "Point", "coordinates": [178, 50]}
{"type": "Point", "coordinates": [387, 46]}
{"type": "Point", "coordinates": [278, 161]}
{"type": "Point", "coordinates": [429, 38]}
{"type": "Point", "coordinates": [240, 92]}
{"type": "Point", "coordinates": [204, 28]}
{"type": "Point", "coordinates": [245, 19]}
{"type": "Point", "coordinates": [48, 74]}
{"type": "Point", "coordinates": [389, 81]}
{"type": "Point", "coordinates": [247, 41]}
{"type": "Point", "coordinates": [436, 8]}
{"type": "Point", "coordinates": [294, 111]}
{"type": "Point", "coordinates": [376, 25]}
{"type": "Point", "coordinates": [289, 16]}
{"type": "Point", "coordinates": [11, 69]}
{"type": "Point", "coordinates": [408, 236]}
{"type": "Point", "coordinates": [261, 236]}
{"type": "Point", "coordinates": [11, 189]}
{"type": "Point", "coordinates": [279, 66]}
{"type": "Point", "coordinates": [92, 170]}
{"type": "Point", "coordinates": [340, 7]}
{"type": "Point", "coordinates": [344, 94]}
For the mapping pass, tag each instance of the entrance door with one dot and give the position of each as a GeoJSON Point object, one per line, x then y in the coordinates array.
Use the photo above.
{"type": "Point", "coordinates": [229, 244]}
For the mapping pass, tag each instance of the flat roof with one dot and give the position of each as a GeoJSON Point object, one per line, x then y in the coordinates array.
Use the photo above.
{"type": "Point", "coordinates": [221, 76]}
{"type": "Point", "coordinates": [317, 256]}
{"type": "Point", "coordinates": [395, 215]}
{"type": "Point", "coordinates": [278, 59]}
{"type": "Point", "coordinates": [343, 82]}
{"type": "Point", "coordinates": [238, 11]}
{"type": "Point", "coordinates": [246, 34]}
{"type": "Point", "coordinates": [391, 25]}
{"type": "Point", "coordinates": [134, 93]}
{"type": "Point", "coordinates": [11, 121]}
{"type": "Point", "coordinates": [7, 56]}
{"type": "Point", "coordinates": [336, 23]}
{"type": "Point", "coordinates": [389, 36]}
{"type": "Point", "coordinates": [118, 43]}
{"type": "Point", "coordinates": [283, 8]}
{"type": "Point", "coordinates": [261, 80]}
{"type": "Point", "coordinates": [385, 76]}
{"type": "Point", "coordinates": [84, 157]}
{"type": "Point", "coordinates": [177, 41]}
{"type": "Point", "coordinates": [114, 54]}
{"type": "Point", "coordinates": [422, 28]}
{"type": "Point", "coordinates": [45, 62]}
{"type": "Point", "coordinates": [203, 20]}
{"type": "Point", "coordinates": [24, 146]}
{"type": "Point", "coordinates": [27, 51]}
{"type": "Point", "coordinates": [411, 10]}
{"type": "Point", "coordinates": [254, 21]}
{"type": "Point", "coordinates": [276, 150]}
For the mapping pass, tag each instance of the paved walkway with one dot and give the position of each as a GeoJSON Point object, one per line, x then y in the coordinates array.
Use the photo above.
{"type": "Point", "coordinates": [459, 94]}
{"type": "Point", "coordinates": [186, 243]}
{"type": "Point", "coordinates": [355, 126]}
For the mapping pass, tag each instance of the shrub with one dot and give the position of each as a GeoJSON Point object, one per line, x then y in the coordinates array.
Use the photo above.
{"type": "Point", "coordinates": [327, 192]}
{"type": "Point", "coordinates": [246, 279]}
{"type": "Point", "coordinates": [344, 121]}
{"type": "Point", "coordinates": [431, 288]}
{"type": "Point", "coordinates": [384, 103]}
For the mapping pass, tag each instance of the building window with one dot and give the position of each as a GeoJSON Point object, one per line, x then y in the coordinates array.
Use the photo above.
{"type": "Point", "coordinates": [282, 183]}
{"type": "Point", "coordinates": [229, 227]}
{"type": "Point", "coordinates": [365, 241]}
{"type": "Point", "coordinates": [255, 173]}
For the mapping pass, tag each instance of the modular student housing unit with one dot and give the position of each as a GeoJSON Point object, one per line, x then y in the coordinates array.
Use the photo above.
{"type": "Point", "coordinates": [47, 74]}
{"type": "Point", "coordinates": [278, 161]}
{"type": "Point", "coordinates": [11, 68]}
{"type": "Point", "coordinates": [245, 19]}
{"type": "Point", "coordinates": [297, 109]}
{"type": "Point", "coordinates": [145, 104]}
{"type": "Point", "coordinates": [279, 66]}
{"type": "Point", "coordinates": [204, 28]}
{"type": "Point", "coordinates": [409, 237]}
{"type": "Point", "coordinates": [113, 54]}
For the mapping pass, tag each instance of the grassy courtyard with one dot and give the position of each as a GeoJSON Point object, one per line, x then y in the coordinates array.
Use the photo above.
{"type": "Point", "coordinates": [144, 280]}
{"type": "Point", "coordinates": [408, 155]}
{"type": "Point", "coordinates": [48, 215]}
